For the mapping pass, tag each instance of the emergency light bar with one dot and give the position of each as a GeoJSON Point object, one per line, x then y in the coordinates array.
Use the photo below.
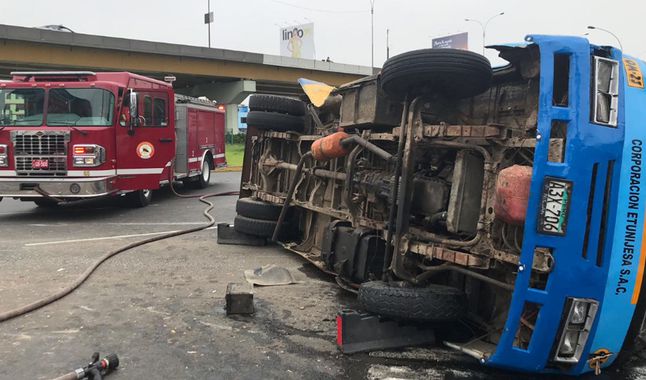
{"type": "Point", "coordinates": [52, 73]}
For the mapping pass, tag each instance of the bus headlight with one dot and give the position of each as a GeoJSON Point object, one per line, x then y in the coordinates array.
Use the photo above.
{"type": "Point", "coordinates": [570, 340]}
{"type": "Point", "coordinates": [88, 155]}
{"type": "Point", "coordinates": [575, 329]}
{"type": "Point", "coordinates": [4, 158]}
{"type": "Point", "coordinates": [579, 312]}
{"type": "Point", "coordinates": [606, 91]}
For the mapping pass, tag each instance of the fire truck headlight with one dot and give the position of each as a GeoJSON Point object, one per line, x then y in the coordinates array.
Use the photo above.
{"type": "Point", "coordinates": [4, 161]}
{"type": "Point", "coordinates": [88, 155]}
{"type": "Point", "coordinates": [84, 161]}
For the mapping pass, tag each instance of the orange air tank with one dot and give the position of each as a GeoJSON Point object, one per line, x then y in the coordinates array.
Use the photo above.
{"type": "Point", "coordinates": [330, 147]}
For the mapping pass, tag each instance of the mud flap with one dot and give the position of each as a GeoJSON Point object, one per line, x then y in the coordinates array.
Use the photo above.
{"type": "Point", "coordinates": [361, 332]}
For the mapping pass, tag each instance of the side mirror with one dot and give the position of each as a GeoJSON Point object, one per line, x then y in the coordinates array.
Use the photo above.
{"type": "Point", "coordinates": [134, 112]}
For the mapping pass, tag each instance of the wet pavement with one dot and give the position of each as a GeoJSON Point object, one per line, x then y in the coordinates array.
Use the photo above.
{"type": "Point", "coordinates": [160, 307]}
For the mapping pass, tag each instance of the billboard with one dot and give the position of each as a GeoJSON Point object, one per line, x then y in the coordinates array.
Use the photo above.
{"type": "Point", "coordinates": [454, 41]}
{"type": "Point", "coordinates": [297, 41]}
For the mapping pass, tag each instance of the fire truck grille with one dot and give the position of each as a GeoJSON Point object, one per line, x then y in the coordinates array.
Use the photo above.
{"type": "Point", "coordinates": [40, 153]}
{"type": "Point", "coordinates": [55, 165]}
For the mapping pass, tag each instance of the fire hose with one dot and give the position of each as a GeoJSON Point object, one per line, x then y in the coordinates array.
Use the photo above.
{"type": "Point", "coordinates": [7, 315]}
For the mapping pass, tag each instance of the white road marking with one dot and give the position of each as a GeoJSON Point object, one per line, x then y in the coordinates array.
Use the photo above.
{"type": "Point", "coordinates": [155, 224]}
{"type": "Point", "coordinates": [68, 331]}
{"type": "Point", "coordinates": [112, 224]}
{"type": "Point", "coordinates": [17, 212]}
{"type": "Point", "coordinates": [104, 238]}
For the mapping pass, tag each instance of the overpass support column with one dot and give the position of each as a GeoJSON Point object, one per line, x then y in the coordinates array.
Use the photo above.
{"type": "Point", "coordinates": [229, 93]}
{"type": "Point", "coordinates": [232, 118]}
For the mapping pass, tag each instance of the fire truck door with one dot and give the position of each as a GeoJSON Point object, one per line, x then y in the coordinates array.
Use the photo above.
{"type": "Point", "coordinates": [145, 150]}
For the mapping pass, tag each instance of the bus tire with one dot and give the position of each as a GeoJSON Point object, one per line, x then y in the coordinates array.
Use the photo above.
{"type": "Point", "coordinates": [139, 198]}
{"type": "Point", "coordinates": [275, 121]}
{"type": "Point", "coordinates": [255, 227]}
{"type": "Point", "coordinates": [252, 208]}
{"type": "Point", "coordinates": [433, 303]}
{"type": "Point", "coordinates": [280, 104]}
{"type": "Point", "coordinates": [453, 73]}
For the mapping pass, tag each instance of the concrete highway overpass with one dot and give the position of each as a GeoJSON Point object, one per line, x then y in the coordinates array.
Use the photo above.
{"type": "Point", "coordinates": [226, 76]}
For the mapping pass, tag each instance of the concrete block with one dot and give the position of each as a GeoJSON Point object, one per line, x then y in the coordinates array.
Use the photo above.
{"type": "Point", "coordinates": [239, 298]}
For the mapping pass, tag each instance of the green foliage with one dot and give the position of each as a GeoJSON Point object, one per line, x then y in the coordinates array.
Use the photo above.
{"type": "Point", "coordinates": [234, 154]}
{"type": "Point", "coordinates": [239, 138]}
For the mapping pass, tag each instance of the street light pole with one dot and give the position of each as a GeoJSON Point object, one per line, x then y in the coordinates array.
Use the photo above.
{"type": "Point", "coordinates": [208, 19]}
{"type": "Point", "coordinates": [592, 27]}
{"type": "Point", "coordinates": [372, 33]}
{"type": "Point", "coordinates": [484, 27]}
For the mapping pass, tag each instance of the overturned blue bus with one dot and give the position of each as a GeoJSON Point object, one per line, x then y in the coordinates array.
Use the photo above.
{"type": "Point", "coordinates": [441, 190]}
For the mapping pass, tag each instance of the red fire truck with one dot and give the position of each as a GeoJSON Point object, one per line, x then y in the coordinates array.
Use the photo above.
{"type": "Point", "coordinates": [75, 135]}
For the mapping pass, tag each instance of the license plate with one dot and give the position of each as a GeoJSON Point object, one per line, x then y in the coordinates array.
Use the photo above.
{"type": "Point", "coordinates": [554, 206]}
{"type": "Point", "coordinates": [40, 164]}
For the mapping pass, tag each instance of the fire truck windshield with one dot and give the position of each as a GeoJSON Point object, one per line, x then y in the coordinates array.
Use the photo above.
{"type": "Point", "coordinates": [65, 106]}
{"type": "Point", "coordinates": [80, 106]}
{"type": "Point", "coordinates": [23, 106]}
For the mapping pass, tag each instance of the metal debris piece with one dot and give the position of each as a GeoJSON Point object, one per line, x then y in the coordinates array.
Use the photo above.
{"type": "Point", "coordinates": [269, 275]}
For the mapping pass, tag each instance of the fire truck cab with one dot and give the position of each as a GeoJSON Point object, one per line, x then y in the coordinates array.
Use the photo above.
{"type": "Point", "coordinates": [75, 135]}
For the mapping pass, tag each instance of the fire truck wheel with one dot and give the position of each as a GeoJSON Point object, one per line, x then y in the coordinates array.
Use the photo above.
{"type": "Point", "coordinates": [45, 203]}
{"type": "Point", "coordinates": [256, 227]}
{"type": "Point", "coordinates": [433, 303]}
{"type": "Point", "coordinates": [252, 208]}
{"type": "Point", "coordinates": [139, 198]}
{"type": "Point", "coordinates": [275, 121]}
{"type": "Point", "coordinates": [450, 72]}
{"type": "Point", "coordinates": [280, 104]}
{"type": "Point", "coordinates": [204, 178]}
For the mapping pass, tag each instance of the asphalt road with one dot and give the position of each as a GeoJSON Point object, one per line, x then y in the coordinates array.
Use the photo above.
{"type": "Point", "coordinates": [160, 306]}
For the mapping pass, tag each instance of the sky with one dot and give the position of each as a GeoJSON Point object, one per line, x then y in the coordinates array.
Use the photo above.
{"type": "Point", "coordinates": [341, 27]}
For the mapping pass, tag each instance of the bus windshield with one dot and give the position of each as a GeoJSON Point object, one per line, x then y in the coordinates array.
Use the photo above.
{"type": "Point", "coordinates": [22, 106]}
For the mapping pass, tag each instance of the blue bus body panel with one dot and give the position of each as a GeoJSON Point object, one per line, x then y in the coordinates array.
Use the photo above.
{"type": "Point", "coordinates": [577, 273]}
{"type": "Point", "coordinates": [621, 291]}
